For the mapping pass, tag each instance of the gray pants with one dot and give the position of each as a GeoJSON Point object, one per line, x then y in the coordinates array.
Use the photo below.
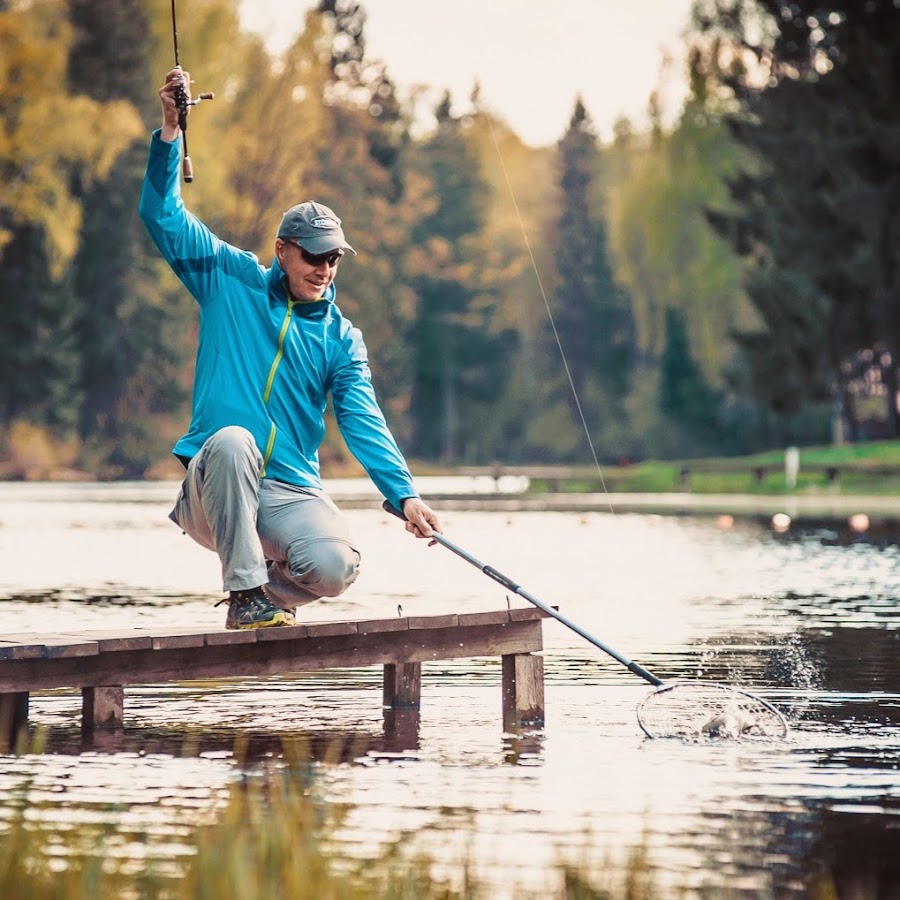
{"type": "Point", "coordinates": [292, 539]}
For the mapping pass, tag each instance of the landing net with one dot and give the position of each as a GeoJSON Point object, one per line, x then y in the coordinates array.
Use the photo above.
{"type": "Point", "coordinates": [705, 709]}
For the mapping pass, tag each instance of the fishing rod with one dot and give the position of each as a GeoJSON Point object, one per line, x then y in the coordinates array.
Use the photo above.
{"type": "Point", "coordinates": [182, 102]}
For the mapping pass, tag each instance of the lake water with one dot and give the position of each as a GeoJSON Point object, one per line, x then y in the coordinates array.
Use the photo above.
{"type": "Point", "coordinates": [809, 621]}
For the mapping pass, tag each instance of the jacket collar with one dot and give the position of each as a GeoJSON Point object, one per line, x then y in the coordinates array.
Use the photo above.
{"type": "Point", "coordinates": [278, 289]}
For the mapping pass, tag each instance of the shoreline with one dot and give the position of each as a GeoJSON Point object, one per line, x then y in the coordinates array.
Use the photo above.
{"type": "Point", "coordinates": [837, 506]}
{"type": "Point", "coordinates": [361, 494]}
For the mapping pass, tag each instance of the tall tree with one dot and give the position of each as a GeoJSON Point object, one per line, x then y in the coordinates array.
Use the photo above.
{"type": "Point", "coordinates": [39, 357]}
{"type": "Point", "coordinates": [816, 90]}
{"type": "Point", "coordinates": [514, 263]}
{"type": "Point", "coordinates": [52, 139]}
{"type": "Point", "coordinates": [460, 348]}
{"type": "Point", "coordinates": [591, 312]}
{"type": "Point", "coordinates": [686, 398]}
{"type": "Point", "coordinates": [363, 174]}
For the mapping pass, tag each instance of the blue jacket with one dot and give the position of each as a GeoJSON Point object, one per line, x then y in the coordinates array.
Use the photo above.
{"type": "Point", "coordinates": [264, 360]}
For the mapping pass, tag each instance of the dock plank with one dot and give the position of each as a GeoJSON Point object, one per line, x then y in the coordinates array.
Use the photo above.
{"type": "Point", "coordinates": [178, 639]}
{"type": "Point", "coordinates": [421, 622]}
{"type": "Point", "coordinates": [497, 617]}
{"type": "Point", "coordinates": [16, 650]}
{"type": "Point", "coordinates": [526, 614]}
{"type": "Point", "coordinates": [109, 641]}
{"type": "Point", "coordinates": [237, 636]}
{"type": "Point", "coordinates": [331, 629]}
{"type": "Point", "coordinates": [375, 626]}
{"type": "Point", "coordinates": [282, 633]}
{"type": "Point", "coordinates": [49, 646]}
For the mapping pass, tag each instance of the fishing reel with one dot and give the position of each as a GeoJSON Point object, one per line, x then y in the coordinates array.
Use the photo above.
{"type": "Point", "coordinates": [182, 102]}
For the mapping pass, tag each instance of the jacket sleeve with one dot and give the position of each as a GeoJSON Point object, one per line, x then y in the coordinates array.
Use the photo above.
{"type": "Point", "coordinates": [186, 244]}
{"type": "Point", "coordinates": [363, 425]}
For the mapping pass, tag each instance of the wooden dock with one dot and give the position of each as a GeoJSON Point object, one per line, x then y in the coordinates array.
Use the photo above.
{"type": "Point", "coordinates": [102, 664]}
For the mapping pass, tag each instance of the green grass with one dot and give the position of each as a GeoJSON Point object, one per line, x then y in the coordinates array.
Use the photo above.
{"type": "Point", "coordinates": [869, 468]}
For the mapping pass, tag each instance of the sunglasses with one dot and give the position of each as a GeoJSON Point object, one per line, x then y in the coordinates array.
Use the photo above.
{"type": "Point", "coordinates": [316, 259]}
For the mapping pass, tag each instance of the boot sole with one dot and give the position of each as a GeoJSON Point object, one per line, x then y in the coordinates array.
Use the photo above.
{"type": "Point", "coordinates": [274, 622]}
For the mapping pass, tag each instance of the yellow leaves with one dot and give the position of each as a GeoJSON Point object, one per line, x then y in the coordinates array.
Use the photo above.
{"type": "Point", "coordinates": [256, 149]}
{"type": "Point", "coordinates": [34, 453]}
{"type": "Point", "coordinates": [55, 137]}
{"type": "Point", "coordinates": [46, 136]}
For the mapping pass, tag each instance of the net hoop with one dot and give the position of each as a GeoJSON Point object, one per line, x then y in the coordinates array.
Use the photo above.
{"type": "Point", "coordinates": [709, 710]}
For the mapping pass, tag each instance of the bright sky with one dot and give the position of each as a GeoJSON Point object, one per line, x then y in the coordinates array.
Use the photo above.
{"type": "Point", "coordinates": [531, 58]}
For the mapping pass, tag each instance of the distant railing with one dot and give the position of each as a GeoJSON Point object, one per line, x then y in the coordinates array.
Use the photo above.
{"type": "Point", "coordinates": [560, 477]}
{"type": "Point", "coordinates": [831, 472]}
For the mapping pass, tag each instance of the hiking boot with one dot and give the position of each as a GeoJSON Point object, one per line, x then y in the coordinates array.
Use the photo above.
{"type": "Point", "coordinates": [252, 609]}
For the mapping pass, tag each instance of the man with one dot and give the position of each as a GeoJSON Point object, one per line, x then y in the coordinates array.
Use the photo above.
{"type": "Point", "coordinates": [272, 346]}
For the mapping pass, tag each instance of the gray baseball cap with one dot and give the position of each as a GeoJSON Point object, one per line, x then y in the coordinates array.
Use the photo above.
{"type": "Point", "coordinates": [314, 227]}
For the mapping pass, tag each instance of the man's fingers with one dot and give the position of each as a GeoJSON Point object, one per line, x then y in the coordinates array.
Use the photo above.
{"type": "Point", "coordinates": [419, 527]}
{"type": "Point", "coordinates": [421, 520]}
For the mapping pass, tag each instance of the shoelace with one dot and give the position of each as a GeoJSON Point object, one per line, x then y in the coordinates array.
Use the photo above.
{"type": "Point", "coordinates": [245, 598]}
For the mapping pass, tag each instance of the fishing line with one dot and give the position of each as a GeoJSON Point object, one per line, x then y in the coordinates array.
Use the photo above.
{"type": "Point", "coordinates": [552, 320]}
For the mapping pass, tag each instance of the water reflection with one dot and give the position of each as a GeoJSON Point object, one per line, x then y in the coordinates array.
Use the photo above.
{"type": "Point", "coordinates": [399, 737]}
{"type": "Point", "coordinates": [808, 619]}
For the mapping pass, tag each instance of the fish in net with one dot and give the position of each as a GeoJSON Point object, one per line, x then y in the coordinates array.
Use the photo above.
{"type": "Point", "coordinates": [708, 710]}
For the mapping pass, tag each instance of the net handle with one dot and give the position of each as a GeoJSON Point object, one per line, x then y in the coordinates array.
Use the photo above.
{"type": "Point", "coordinates": [509, 584]}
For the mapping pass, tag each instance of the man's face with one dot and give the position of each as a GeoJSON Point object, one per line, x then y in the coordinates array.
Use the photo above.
{"type": "Point", "coordinates": [308, 276]}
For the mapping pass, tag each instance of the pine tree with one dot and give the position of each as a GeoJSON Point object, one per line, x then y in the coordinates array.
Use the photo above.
{"type": "Point", "coordinates": [460, 347]}
{"type": "Point", "coordinates": [52, 139]}
{"type": "Point", "coordinates": [39, 357]}
{"type": "Point", "coordinates": [818, 209]}
{"type": "Point", "coordinates": [685, 397]}
{"type": "Point", "coordinates": [363, 175]}
{"type": "Point", "coordinates": [591, 312]}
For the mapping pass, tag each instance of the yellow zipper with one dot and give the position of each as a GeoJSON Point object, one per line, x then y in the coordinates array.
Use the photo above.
{"type": "Point", "coordinates": [270, 444]}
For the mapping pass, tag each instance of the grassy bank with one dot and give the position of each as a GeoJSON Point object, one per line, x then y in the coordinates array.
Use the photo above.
{"type": "Point", "coordinates": [866, 469]}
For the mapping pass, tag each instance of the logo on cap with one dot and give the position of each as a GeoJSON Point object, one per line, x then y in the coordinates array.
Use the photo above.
{"type": "Point", "coordinates": [323, 222]}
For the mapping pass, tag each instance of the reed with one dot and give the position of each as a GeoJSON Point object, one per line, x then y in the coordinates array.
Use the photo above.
{"type": "Point", "coordinates": [271, 837]}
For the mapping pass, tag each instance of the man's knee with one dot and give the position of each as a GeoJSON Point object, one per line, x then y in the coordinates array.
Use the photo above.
{"type": "Point", "coordinates": [334, 568]}
{"type": "Point", "coordinates": [233, 444]}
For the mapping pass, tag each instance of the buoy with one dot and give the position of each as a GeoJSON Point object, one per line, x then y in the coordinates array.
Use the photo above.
{"type": "Point", "coordinates": [859, 522]}
{"type": "Point", "coordinates": [781, 522]}
{"type": "Point", "coordinates": [725, 521]}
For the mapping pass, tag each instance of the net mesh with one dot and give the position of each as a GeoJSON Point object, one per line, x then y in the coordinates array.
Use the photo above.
{"type": "Point", "coordinates": [708, 710]}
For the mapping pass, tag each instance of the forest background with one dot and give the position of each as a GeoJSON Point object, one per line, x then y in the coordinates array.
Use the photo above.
{"type": "Point", "coordinates": [718, 286]}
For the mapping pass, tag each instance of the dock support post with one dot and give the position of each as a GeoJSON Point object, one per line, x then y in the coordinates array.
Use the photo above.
{"type": "Point", "coordinates": [401, 730]}
{"type": "Point", "coordinates": [523, 690]}
{"type": "Point", "coordinates": [13, 719]}
{"type": "Point", "coordinates": [102, 707]}
{"type": "Point", "coordinates": [402, 685]}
